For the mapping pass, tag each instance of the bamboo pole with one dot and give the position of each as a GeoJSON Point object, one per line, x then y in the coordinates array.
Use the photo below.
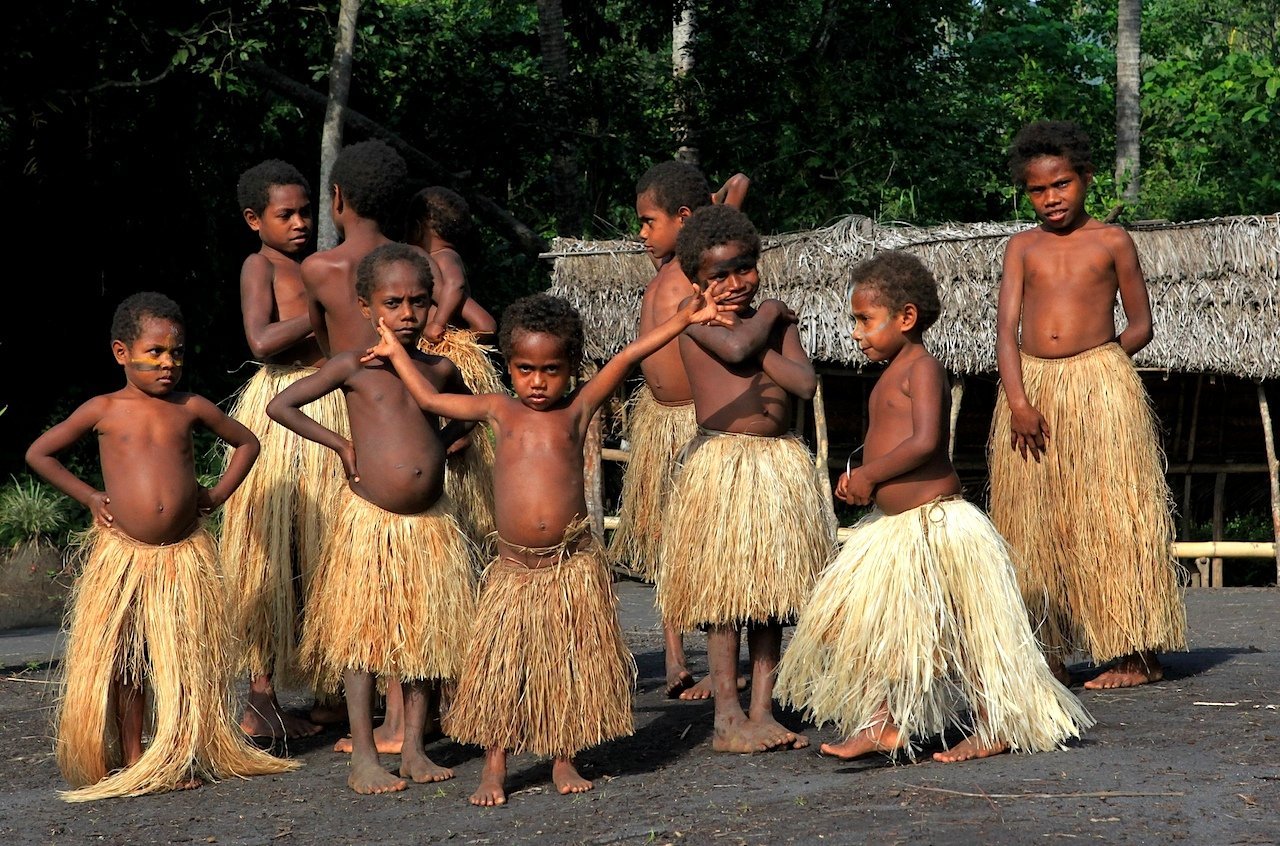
{"type": "Point", "coordinates": [1265, 409]}
{"type": "Point", "coordinates": [1222, 549]}
{"type": "Point", "coordinates": [823, 448]}
{"type": "Point", "coordinates": [957, 397]}
{"type": "Point", "coordinates": [593, 475]}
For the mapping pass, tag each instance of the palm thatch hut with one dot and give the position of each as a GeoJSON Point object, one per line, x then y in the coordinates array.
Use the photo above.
{"type": "Point", "coordinates": [1214, 284]}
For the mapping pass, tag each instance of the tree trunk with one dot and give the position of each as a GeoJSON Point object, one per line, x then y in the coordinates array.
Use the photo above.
{"type": "Point", "coordinates": [335, 115]}
{"type": "Point", "coordinates": [682, 35]}
{"type": "Point", "coordinates": [1128, 106]}
{"type": "Point", "coordinates": [564, 150]}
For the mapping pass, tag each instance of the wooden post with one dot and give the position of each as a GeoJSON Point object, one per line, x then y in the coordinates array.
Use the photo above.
{"type": "Point", "coordinates": [1219, 491]}
{"type": "Point", "coordinates": [957, 397]}
{"type": "Point", "coordinates": [593, 475]}
{"type": "Point", "coordinates": [1272, 473]}
{"type": "Point", "coordinates": [823, 447]}
{"type": "Point", "coordinates": [1191, 454]}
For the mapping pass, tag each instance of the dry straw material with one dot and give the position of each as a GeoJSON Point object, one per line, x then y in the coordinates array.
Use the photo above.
{"type": "Point", "coordinates": [153, 617]}
{"type": "Point", "coordinates": [274, 525]}
{"type": "Point", "coordinates": [1214, 286]}
{"type": "Point", "coordinates": [746, 531]}
{"type": "Point", "coordinates": [1092, 520]}
{"type": "Point", "coordinates": [548, 671]}
{"type": "Point", "coordinates": [656, 433]}
{"type": "Point", "coordinates": [394, 595]}
{"type": "Point", "coordinates": [920, 612]}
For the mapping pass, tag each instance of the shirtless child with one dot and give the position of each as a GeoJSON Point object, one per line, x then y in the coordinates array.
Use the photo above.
{"type": "Point", "coordinates": [547, 671]}
{"type": "Point", "coordinates": [1077, 470]}
{"type": "Point", "coordinates": [148, 623]}
{"type": "Point", "coordinates": [923, 592]}
{"type": "Point", "coordinates": [394, 595]}
{"type": "Point", "coordinates": [748, 525]}
{"type": "Point", "coordinates": [662, 420]}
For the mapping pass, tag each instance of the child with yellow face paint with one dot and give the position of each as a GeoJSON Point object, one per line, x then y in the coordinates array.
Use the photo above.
{"type": "Point", "coordinates": [148, 620]}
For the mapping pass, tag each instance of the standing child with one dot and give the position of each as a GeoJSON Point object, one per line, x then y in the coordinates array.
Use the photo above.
{"type": "Point", "coordinates": [273, 526]}
{"type": "Point", "coordinates": [394, 593]}
{"type": "Point", "coordinates": [662, 420]}
{"type": "Point", "coordinates": [923, 595]}
{"type": "Point", "coordinates": [460, 329]}
{"type": "Point", "coordinates": [547, 670]}
{"type": "Point", "coordinates": [748, 526]}
{"type": "Point", "coordinates": [1077, 471]}
{"type": "Point", "coordinates": [148, 618]}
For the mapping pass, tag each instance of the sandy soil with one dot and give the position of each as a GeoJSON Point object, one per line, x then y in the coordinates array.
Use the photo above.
{"type": "Point", "coordinates": [1190, 760]}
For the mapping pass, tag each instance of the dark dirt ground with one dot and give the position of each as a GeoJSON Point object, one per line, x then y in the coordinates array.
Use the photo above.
{"type": "Point", "coordinates": [1190, 760]}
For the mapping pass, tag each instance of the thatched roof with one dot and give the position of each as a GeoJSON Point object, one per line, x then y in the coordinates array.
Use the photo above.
{"type": "Point", "coordinates": [1214, 288]}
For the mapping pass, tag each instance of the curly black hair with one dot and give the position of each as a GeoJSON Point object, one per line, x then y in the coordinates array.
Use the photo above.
{"type": "Point", "coordinates": [711, 226]}
{"type": "Point", "coordinates": [442, 209]}
{"type": "Point", "coordinates": [253, 190]}
{"type": "Point", "coordinates": [372, 176]}
{"type": "Point", "coordinates": [126, 323]}
{"type": "Point", "coordinates": [674, 184]}
{"type": "Point", "coordinates": [899, 278]}
{"type": "Point", "coordinates": [367, 271]}
{"type": "Point", "coordinates": [1050, 138]}
{"type": "Point", "coordinates": [543, 313]}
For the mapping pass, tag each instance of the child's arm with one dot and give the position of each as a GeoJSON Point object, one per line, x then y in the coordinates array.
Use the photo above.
{"type": "Point", "coordinates": [42, 458]}
{"type": "Point", "coordinates": [312, 275]}
{"type": "Point", "coordinates": [926, 386]}
{"type": "Point", "coordinates": [733, 191]}
{"type": "Point", "coordinates": [448, 291]}
{"type": "Point", "coordinates": [455, 406]}
{"type": "Point", "coordinates": [1030, 431]}
{"type": "Point", "coordinates": [257, 307]}
{"type": "Point", "coordinates": [286, 408]}
{"type": "Point", "coordinates": [1134, 298]}
{"type": "Point", "coordinates": [478, 318]}
{"type": "Point", "coordinates": [790, 367]}
{"type": "Point", "coordinates": [244, 454]}
{"type": "Point", "coordinates": [703, 308]}
{"type": "Point", "coordinates": [737, 341]}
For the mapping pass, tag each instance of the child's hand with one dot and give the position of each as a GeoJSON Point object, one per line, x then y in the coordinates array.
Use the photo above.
{"type": "Point", "coordinates": [348, 456]}
{"type": "Point", "coordinates": [855, 488]}
{"type": "Point", "coordinates": [433, 333]}
{"type": "Point", "coordinates": [1029, 431]}
{"type": "Point", "coordinates": [387, 344]}
{"type": "Point", "coordinates": [459, 445]}
{"type": "Point", "coordinates": [706, 307]}
{"type": "Point", "coordinates": [98, 503]}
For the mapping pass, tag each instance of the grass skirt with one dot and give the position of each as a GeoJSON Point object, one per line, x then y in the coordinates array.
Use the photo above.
{"type": "Point", "coordinates": [548, 671]}
{"type": "Point", "coordinates": [656, 432]}
{"type": "Point", "coordinates": [1092, 521]}
{"type": "Point", "coordinates": [394, 595]}
{"type": "Point", "coordinates": [921, 611]}
{"type": "Point", "coordinates": [469, 476]}
{"type": "Point", "coordinates": [273, 526]}
{"type": "Point", "coordinates": [153, 617]}
{"type": "Point", "coordinates": [747, 529]}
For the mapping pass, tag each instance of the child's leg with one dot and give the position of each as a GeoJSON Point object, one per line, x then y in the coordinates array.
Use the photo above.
{"type": "Point", "coordinates": [764, 649]}
{"type": "Point", "coordinates": [388, 737]}
{"type": "Point", "coordinates": [679, 679]}
{"type": "Point", "coordinates": [130, 712]}
{"type": "Point", "coordinates": [263, 716]}
{"type": "Point", "coordinates": [491, 792]}
{"type": "Point", "coordinates": [566, 778]}
{"type": "Point", "coordinates": [414, 763]}
{"type": "Point", "coordinates": [882, 735]}
{"type": "Point", "coordinates": [734, 730]}
{"type": "Point", "coordinates": [367, 774]}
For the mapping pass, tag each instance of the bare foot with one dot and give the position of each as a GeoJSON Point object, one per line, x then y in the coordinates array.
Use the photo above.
{"type": "Point", "coordinates": [680, 682]}
{"type": "Point", "coordinates": [372, 778]}
{"type": "Point", "coordinates": [490, 791]}
{"type": "Point", "coordinates": [1130, 671]}
{"type": "Point", "coordinates": [968, 749]}
{"type": "Point", "coordinates": [701, 690]}
{"type": "Point", "coordinates": [566, 778]}
{"type": "Point", "coordinates": [747, 736]}
{"type": "Point", "coordinates": [387, 742]}
{"type": "Point", "coordinates": [190, 784]}
{"type": "Point", "coordinates": [327, 714]}
{"type": "Point", "coordinates": [885, 738]}
{"type": "Point", "coordinates": [264, 718]}
{"type": "Point", "coordinates": [423, 769]}
{"type": "Point", "coordinates": [1059, 670]}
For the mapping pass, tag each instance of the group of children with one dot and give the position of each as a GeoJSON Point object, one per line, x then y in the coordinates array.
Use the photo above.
{"type": "Point", "coordinates": [392, 460]}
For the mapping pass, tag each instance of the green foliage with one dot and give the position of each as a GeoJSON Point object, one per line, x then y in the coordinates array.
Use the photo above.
{"type": "Point", "coordinates": [33, 512]}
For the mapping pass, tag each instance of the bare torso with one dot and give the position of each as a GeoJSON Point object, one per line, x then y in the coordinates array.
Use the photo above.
{"type": "Point", "coordinates": [664, 370]}
{"type": "Point", "coordinates": [291, 301]}
{"type": "Point", "coordinates": [737, 397]}
{"type": "Point", "coordinates": [329, 277]}
{"type": "Point", "coordinates": [1069, 290]}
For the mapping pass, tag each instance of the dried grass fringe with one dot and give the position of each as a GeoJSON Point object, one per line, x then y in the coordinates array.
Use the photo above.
{"type": "Point", "coordinates": [394, 595]}
{"type": "Point", "coordinates": [154, 617]}
{"type": "Point", "coordinates": [273, 526]}
{"type": "Point", "coordinates": [921, 611]}
{"type": "Point", "coordinates": [747, 529]}
{"type": "Point", "coordinates": [656, 433]}
{"type": "Point", "coordinates": [548, 671]}
{"type": "Point", "coordinates": [1092, 521]}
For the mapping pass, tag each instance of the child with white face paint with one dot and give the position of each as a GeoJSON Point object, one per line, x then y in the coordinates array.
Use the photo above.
{"type": "Point", "coordinates": [922, 599]}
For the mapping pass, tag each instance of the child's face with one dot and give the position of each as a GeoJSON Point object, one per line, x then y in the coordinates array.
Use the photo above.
{"type": "Point", "coordinates": [286, 222]}
{"type": "Point", "coordinates": [539, 368]}
{"type": "Point", "coordinates": [658, 229]}
{"type": "Point", "coordinates": [879, 332]}
{"type": "Point", "coordinates": [401, 299]}
{"type": "Point", "coordinates": [1057, 191]}
{"type": "Point", "coordinates": [730, 268]}
{"type": "Point", "coordinates": [153, 361]}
